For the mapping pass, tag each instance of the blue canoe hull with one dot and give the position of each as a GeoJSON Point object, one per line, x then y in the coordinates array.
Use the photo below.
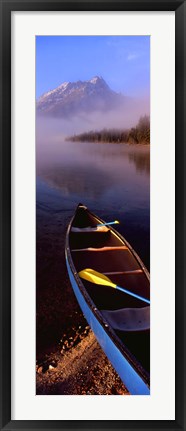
{"type": "Point", "coordinates": [134, 383]}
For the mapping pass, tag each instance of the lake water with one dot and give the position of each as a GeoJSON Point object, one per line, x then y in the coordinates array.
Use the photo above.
{"type": "Point", "coordinates": [113, 180]}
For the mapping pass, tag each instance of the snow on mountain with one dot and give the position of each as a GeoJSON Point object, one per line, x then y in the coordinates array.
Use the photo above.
{"type": "Point", "coordinates": [72, 98]}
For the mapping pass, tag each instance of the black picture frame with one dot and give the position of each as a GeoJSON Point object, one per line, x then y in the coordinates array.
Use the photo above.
{"type": "Point", "coordinates": [6, 7]}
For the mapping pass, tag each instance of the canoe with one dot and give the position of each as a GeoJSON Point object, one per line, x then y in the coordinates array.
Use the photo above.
{"type": "Point", "coordinates": [120, 322]}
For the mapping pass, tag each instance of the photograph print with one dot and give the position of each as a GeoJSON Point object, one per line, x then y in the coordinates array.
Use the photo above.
{"type": "Point", "coordinates": [92, 215]}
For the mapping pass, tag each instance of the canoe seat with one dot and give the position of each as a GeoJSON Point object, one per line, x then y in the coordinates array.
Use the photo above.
{"type": "Point", "coordinates": [128, 319]}
{"type": "Point", "coordinates": [90, 229]}
{"type": "Point", "coordinates": [122, 247]}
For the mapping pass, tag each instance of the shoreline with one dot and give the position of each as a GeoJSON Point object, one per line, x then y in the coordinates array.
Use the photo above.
{"type": "Point", "coordinates": [82, 370]}
{"type": "Point", "coordinates": [131, 144]}
{"type": "Point", "coordinates": [64, 341]}
{"type": "Point", "coordinates": [140, 134]}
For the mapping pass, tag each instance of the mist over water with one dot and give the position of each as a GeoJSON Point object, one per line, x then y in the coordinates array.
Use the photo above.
{"type": "Point", "coordinates": [126, 116]}
{"type": "Point", "coordinates": [113, 180]}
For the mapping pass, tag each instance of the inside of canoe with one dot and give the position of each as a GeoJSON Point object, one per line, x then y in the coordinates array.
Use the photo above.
{"type": "Point", "coordinates": [106, 253]}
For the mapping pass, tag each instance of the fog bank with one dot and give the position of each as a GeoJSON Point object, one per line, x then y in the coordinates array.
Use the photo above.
{"type": "Point", "coordinates": [59, 129]}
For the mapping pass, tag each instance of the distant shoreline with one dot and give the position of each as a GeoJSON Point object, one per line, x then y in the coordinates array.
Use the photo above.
{"type": "Point", "coordinates": [139, 135]}
{"type": "Point", "coordinates": [139, 144]}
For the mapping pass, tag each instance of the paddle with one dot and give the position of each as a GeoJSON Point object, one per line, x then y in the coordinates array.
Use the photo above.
{"type": "Point", "coordinates": [98, 278]}
{"type": "Point", "coordinates": [106, 224]}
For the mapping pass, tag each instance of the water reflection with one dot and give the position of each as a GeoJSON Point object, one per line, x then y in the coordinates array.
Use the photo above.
{"type": "Point", "coordinates": [96, 171]}
{"type": "Point", "coordinates": [112, 179]}
{"type": "Point", "coordinates": [141, 160]}
{"type": "Point", "coordinates": [80, 181]}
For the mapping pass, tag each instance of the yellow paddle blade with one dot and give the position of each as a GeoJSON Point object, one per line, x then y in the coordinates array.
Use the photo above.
{"type": "Point", "coordinates": [117, 221]}
{"type": "Point", "coordinates": [96, 277]}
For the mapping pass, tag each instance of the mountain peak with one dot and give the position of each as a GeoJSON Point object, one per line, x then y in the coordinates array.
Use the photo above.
{"type": "Point", "coordinates": [80, 96]}
{"type": "Point", "coordinates": [96, 79]}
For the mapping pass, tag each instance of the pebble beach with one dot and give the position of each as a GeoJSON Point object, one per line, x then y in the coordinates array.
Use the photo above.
{"type": "Point", "coordinates": [69, 361]}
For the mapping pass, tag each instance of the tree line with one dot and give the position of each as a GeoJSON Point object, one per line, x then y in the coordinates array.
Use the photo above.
{"type": "Point", "coordinates": [136, 135]}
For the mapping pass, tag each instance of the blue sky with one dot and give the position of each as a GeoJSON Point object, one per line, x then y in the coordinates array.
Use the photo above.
{"type": "Point", "coordinates": [123, 61]}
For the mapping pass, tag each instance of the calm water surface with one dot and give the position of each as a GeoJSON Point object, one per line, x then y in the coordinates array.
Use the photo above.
{"type": "Point", "coordinates": [113, 180]}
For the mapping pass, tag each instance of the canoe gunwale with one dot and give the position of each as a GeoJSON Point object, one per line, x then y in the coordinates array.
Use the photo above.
{"type": "Point", "coordinates": [144, 375]}
{"type": "Point", "coordinates": [143, 267]}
